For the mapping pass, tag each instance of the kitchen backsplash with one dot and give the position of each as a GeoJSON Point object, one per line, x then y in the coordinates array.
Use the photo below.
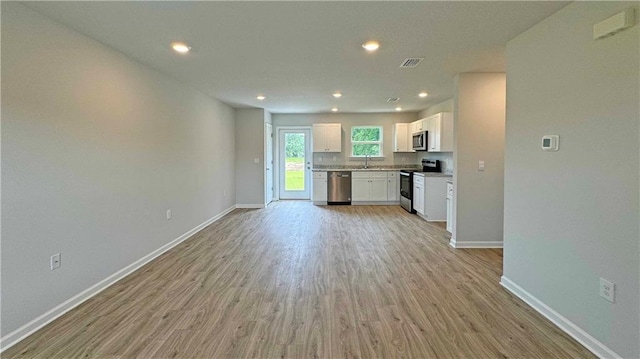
{"type": "Point", "coordinates": [342, 159]}
{"type": "Point", "coordinates": [445, 158]}
{"type": "Point", "coordinates": [396, 160]}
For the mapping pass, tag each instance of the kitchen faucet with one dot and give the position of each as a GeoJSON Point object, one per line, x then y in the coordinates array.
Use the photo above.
{"type": "Point", "coordinates": [366, 161]}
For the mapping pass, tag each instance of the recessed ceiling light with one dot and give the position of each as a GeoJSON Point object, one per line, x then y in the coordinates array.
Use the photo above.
{"type": "Point", "coordinates": [180, 47]}
{"type": "Point", "coordinates": [423, 94]}
{"type": "Point", "coordinates": [371, 45]}
{"type": "Point", "coordinates": [337, 95]}
{"type": "Point", "coordinates": [335, 109]}
{"type": "Point", "coordinates": [398, 108]}
{"type": "Point", "coordinates": [260, 97]}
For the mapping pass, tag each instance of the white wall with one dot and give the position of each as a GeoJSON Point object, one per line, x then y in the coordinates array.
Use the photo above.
{"type": "Point", "coordinates": [479, 120]}
{"type": "Point", "coordinates": [250, 146]}
{"type": "Point", "coordinates": [386, 120]}
{"type": "Point", "coordinates": [95, 148]}
{"type": "Point", "coordinates": [572, 216]}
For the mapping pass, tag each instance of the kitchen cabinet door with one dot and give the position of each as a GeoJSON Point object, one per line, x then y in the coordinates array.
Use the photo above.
{"type": "Point", "coordinates": [359, 189]}
{"type": "Point", "coordinates": [334, 137]}
{"type": "Point", "coordinates": [433, 126]}
{"type": "Point", "coordinates": [440, 127]}
{"type": "Point", "coordinates": [327, 137]}
{"type": "Point", "coordinates": [450, 207]}
{"type": "Point", "coordinates": [319, 193]}
{"type": "Point", "coordinates": [449, 216]}
{"type": "Point", "coordinates": [413, 127]}
{"type": "Point", "coordinates": [418, 198]}
{"type": "Point", "coordinates": [402, 140]}
{"type": "Point", "coordinates": [378, 189]}
{"type": "Point", "coordinates": [418, 193]}
{"type": "Point", "coordinates": [393, 191]}
{"type": "Point", "coordinates": [435, 198]}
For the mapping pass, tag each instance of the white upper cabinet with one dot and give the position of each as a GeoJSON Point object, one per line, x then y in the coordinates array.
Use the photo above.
{"type": "Point", "coordinates": [440, 127]}
{"type": "Point", "coordinates": [402, 137]}
{"type": "Point", "coordinates": [327, 137]}
{"type": "Point", "coordinates": [417, 126]}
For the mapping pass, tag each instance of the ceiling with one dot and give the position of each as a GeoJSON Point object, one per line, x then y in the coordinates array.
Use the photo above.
{"type": "Point", "coordinates": [298, 53]}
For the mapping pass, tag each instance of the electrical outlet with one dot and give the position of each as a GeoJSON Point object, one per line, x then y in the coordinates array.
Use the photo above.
{"type": "Point", "coordinates": [168, 214]}
{"type": "Point", "coordinates": [334, 158]}
{"type": "Point", "coordinates": [55, 261]}
{"type": "Point", "coordinates": [607, 290]}
{"type": "Point", "coordinates": [319, 159]}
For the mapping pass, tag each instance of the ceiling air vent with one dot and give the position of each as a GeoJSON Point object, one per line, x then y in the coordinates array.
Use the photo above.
{"type": "Point", "coordinates": [393, 99]}
{"type": "Point", "coordinates": [411, 62]}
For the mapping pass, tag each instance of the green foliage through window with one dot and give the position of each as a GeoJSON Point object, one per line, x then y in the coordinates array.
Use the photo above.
{"type": "Point", "coordinates": [294, 145]}
{"type": "Point", "coordinates": [366, 140]}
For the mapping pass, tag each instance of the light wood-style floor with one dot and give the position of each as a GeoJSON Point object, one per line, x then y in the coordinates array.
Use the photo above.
{"type": "Point", "coordinates": [299, 281]}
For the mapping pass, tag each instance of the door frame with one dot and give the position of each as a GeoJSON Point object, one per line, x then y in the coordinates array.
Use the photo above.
{"type": "Point", "coordinates": [268, 126]}
{"type": "Point", "coordinates": [276, 147]}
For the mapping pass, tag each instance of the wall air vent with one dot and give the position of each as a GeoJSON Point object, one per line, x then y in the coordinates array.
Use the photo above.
{"type": "Point", "coordinates": [411, 62]}
{"type": "Point", "coordinates": [393, 99]}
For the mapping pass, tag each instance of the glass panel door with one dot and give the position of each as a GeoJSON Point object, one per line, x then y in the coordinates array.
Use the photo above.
{"type": "Point", "coordinates": [295, 164]}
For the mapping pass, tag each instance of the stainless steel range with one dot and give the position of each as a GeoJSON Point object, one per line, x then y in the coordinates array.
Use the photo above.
{"type": "Point", "coordinates": [406, 190]}
{"type": "Point", "coordinates": [406, 182]}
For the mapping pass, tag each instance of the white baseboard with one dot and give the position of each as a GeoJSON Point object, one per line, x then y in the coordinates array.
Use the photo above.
{"type": "Point", "coordinates": [19, 334]}
{"type": "Point", "coordinates": [375, 203]}
{"type": "Point", "coordinates": [582, 337]}
{"type": "Point", "coordinates": [249, 205]}
{"type": "Point", "coordinates": [482, 244]}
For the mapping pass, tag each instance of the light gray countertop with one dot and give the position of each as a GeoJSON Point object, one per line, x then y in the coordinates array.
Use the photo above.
{"type": "Point", "coordinates": [360, 169]}
{"type": "Point", "coordinates": [431, 174]}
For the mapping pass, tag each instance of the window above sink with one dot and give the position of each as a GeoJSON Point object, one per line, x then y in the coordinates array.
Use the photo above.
{"type": "Point", "coordinates": [366, 141]}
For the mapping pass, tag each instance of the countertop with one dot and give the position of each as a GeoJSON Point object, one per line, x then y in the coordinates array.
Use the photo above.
{"type": "Point", "coordinates": [388, 169]}
{"type": "Point", "coordinates": [359, 169]}
{"type": "Point", "coordinates": [432, 174]}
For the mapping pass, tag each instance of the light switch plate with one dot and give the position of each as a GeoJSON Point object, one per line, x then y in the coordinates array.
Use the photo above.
{"type": "Point", "coordinates": [55, 261]}
{"type": "Point", "coordinates": [480, 165]}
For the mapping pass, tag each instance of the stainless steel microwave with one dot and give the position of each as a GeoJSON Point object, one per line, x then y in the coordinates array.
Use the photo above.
{"type": "Point", "coordinates": [420, 141]}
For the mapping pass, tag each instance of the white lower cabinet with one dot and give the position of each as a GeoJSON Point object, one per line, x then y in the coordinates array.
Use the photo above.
{"type": "Point", "coordinates": [369, 186]}
{"type": "Point", "coordinates": [450, 207]}
{"type": "Point", "coordinates": [435, 198]}
{"type": "Point", "coordinates": [378, 191]}
{"type": "Point", "coordinates": [418, 193]}
{"type": "Point", "coordinates": [319, 195]}
{"type": "Point", "coordinates": [360, 189]}
{"type": "Point", "coordinates": [430, 197]}
{"type": "Point", "coordinates": [393, 189]}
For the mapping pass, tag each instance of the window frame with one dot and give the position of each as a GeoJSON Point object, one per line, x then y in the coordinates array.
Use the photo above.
{"type": "Point", "coordinates": [380, 142]}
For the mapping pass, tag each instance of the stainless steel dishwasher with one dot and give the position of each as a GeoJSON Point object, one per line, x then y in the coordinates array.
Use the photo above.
{"type": "Point", "coordinates": [339, 187]}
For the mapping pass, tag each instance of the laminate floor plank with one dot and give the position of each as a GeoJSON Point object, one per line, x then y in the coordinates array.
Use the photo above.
{"type": "Point", "coordinates": [300, 281]}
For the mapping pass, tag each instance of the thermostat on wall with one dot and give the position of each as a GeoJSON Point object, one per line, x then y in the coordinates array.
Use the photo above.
{"type": "Point", "coordinates": [550, 142]}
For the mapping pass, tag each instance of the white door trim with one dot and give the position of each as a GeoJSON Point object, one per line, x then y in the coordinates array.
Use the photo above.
{"type": "Point", "coordinates": [267, 165]}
